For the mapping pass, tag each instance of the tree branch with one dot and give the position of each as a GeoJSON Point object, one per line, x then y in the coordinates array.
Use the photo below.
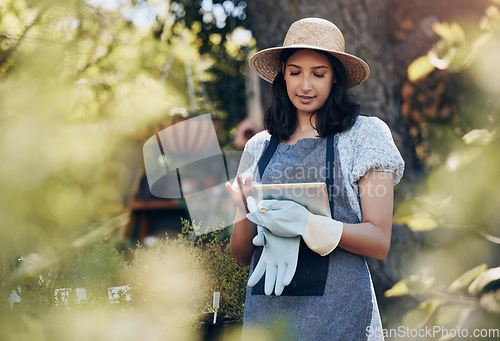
{"type": "Point", "coordinates": [11, 51]}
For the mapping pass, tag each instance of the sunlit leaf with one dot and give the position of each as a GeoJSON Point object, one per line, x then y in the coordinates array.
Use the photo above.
{"type": "Point", "coordinates": [484, 279]}
{"type": "Point", "coordinates": [418, 317]}
{"type": "Point", "coordinates": [466, 278]}
{"type": "Point", "coordinates": [419, 68]}
{"type": "Point", "coordinates": [449, 314]}
{"type": "Point", "coordinates": [448, 31]}
{"type": "Point", "coordinates": [452, 52]}
{"type": "Point", "coordinates": [413, 285]}
{"type": "Point", "coordinates": [442, 29]}
{"type": "Point", "coordinates": [399, 289]}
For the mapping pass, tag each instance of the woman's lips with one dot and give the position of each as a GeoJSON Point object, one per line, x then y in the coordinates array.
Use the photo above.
{"type": "Point", "coordinates": [305, 99]}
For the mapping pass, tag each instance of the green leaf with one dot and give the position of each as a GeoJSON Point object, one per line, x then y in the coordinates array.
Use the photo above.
{"type": "Point", "coordinates": [466, 278]}
{"type": "Point", "coordinates": [419, 68]}
{"type": "Point", "coordinates": [418, 317]}
{"type": "Point", "coordinates": [485, 278]}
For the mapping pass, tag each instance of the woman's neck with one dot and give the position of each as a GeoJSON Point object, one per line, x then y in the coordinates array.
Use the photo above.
{"type": "Point", "coordinates": [305, 128]}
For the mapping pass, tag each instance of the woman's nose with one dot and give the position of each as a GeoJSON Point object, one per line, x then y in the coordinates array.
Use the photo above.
{"type": "Point", "coordinates": [306, 83]}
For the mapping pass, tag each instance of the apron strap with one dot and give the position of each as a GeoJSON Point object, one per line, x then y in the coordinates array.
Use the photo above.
{"type": "Point", "coordinates": [267, 155]}
{"type": "Point", "coordinates": [330, 168]}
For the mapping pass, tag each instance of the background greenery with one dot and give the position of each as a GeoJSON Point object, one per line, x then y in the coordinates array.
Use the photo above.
{"type": "Point", "coordinates": [452, 108]}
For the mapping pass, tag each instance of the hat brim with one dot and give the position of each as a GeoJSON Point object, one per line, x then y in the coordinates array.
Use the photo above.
{"type": "Point", "coordinates": [267, 65]}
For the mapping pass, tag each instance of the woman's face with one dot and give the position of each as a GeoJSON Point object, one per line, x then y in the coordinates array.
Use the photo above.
{"type": "Point", "coordinates": [309, 79]}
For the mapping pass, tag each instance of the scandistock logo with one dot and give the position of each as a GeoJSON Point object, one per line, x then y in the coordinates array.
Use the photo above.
{"type": "Point", "coordinates": [185, 160]}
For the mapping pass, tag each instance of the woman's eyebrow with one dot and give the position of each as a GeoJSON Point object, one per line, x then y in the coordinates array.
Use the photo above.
{"type": "Point", "coordinates": [314, 67]}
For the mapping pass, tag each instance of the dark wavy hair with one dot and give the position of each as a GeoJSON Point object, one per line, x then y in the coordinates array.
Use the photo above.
{"type": "Point", "coordinates": [338, 113]}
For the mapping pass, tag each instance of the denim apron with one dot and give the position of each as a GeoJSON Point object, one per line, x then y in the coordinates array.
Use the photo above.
{"type": "Point", "coordinates": [329, 297]}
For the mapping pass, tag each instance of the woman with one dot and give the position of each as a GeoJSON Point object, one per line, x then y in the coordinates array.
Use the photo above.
{"type": "Point", "coordinates": [314, 133]}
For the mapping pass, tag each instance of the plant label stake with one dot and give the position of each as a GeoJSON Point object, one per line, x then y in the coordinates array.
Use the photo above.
{"type": "Point", "coordinates": [216, 304]}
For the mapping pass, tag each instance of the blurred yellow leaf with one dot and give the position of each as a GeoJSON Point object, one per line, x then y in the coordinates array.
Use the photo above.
{"type": "Point", "coordinates": [484, 279]}
{"type": "Point", "coordinates": [422, 223]}
{"type": "Point", "coordinates": [448, 31]}
{"type": "Point", "coordinates": [419, 68]}
{"type": "Point", "coordinates": [466, 278]}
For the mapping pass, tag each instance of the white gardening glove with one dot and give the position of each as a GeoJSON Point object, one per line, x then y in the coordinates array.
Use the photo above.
{"type": "Point", "coordinates": [286, 218]}
{"type": "Point", "coordinates": [278, 259]}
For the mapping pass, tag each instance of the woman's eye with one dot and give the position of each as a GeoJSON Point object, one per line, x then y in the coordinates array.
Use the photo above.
{"type": "Point", "coordinates": [294, 73]}
{"type": "Point", "coordinates": [319, 76]}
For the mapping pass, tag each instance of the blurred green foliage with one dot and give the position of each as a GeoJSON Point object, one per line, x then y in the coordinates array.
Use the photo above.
{"type": "Point", "coordinates": [75, 90]}
{"type": "Point", "coordinates": [81, 87]}
{"type": "Point", "coordinates": [168, 289]}
{"type": "Point", "coordinates": [224, 274]}
{"type": "Point", "coordinates": [220, 32]}
{"type": "Point", "coordinates": [456, 278]}
{"type": "Point", "coordinates": [450, 91]}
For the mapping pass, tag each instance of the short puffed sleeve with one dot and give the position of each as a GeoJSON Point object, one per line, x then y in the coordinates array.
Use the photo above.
{"type": "Point", "coordinates": [251, 155]}
{"type": "Point", "coordinates": [375, 150]}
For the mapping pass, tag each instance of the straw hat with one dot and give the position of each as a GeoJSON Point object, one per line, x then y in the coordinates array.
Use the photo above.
{"type": "Point", "coordinates": [316, 34]}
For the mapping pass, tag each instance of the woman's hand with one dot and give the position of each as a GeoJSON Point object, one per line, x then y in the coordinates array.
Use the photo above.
{"type": "Point", "coordinates": [238, 196]}
{"type": "Point", "coordinates": [243, 230]}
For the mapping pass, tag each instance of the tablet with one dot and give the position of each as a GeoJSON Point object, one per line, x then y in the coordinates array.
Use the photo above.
{"type": "Point", "coordinates": [313, 196]}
